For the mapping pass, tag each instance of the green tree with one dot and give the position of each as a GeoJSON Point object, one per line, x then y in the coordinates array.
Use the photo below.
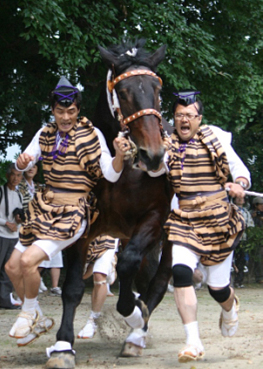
{"type": "Point", "coordinates": [213, 46]}
{"type": "Point", "coordinates": [250, 138]}
{"type": "Point", "coordinates": [3, 168]}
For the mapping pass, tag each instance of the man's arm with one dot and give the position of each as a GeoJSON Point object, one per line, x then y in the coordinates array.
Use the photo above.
{"type": "Point", "coordinates": [30, 156]}
{"type": "Point", "coordinates": [112, 167]}
{"type": "Point", "coordinates": [239, 172]}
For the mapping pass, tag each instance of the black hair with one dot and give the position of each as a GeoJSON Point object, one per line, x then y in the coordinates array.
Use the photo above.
{"type": "Point", "coordinates": [184, 103]}
{"type": "Point", "coordinates": [10, 167]}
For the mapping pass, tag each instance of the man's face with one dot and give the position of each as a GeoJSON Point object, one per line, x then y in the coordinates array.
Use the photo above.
{"type": "Point", "coordinates": [14, 178]}
{"type": "Point", "coordinates": [65, 118]}
{"type": "Point", "coordinates": [30, 174]}
{"type": "Point", "coordinates": [260, 207]}
{"type": "Point", "coordinates": [239, 201]}
{"type": "Point", "coordinates": [187, 128]}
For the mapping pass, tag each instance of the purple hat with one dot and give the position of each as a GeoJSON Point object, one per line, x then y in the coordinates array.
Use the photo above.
{"type": "Point", "coordinates": [187, 96]}
{"type": "Point", "coordinates": [65, 92]}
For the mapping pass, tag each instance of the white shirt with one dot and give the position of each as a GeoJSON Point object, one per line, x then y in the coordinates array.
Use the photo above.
{"type": "Point", "coordinates": [236, 165]}
{"type": "Point", "coordinates": [33, 149]}
{"type": "Point", "coordinates": [13, 203]}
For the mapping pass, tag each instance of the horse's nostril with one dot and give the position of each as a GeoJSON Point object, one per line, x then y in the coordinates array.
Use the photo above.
{"type": "Point", "coordinates": [143, 154]}
{"type": "Point", "coordinates": [152, 161]}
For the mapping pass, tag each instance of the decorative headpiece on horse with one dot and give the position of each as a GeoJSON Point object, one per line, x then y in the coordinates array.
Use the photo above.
{"type": "Point", "coordinates": [65, 93]}
{"type": "Point", "coordinates": [112, 97]}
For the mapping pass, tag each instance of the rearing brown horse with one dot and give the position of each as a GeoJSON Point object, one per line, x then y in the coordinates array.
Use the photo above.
{"type": "Point", "coordinates": [137, 205]}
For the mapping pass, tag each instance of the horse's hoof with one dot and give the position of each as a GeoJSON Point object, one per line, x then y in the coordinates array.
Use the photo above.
{"type": "Point", "coordinates": [131, 350]}
{"type": "Point", "coordinates": [61, 360]}
{"type": "Point", "coordinates": [145, 312]}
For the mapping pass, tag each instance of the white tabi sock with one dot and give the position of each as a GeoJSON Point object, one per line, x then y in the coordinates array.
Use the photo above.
{"type": "Point", "coordinates": [230, 315]}
{"type": "Point", "coordinates": [192, 334]}
{"type": "Point", "coordinates": [38, 309]}
{"type": "Point", "coordinates": [29, 305]}
{"type": "Point", "coordinates": [94, 315]}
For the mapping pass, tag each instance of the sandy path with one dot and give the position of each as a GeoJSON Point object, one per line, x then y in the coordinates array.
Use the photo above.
{"type": "Point", "coordinates": [245, 350]}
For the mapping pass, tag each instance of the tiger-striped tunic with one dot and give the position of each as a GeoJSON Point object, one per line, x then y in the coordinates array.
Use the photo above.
{"type": "Point", "coordinates": [205, 222]}
{"type": "Point", "coordinates": [57, 213]}
{"type": "Point", "coordinates": [99, 246]}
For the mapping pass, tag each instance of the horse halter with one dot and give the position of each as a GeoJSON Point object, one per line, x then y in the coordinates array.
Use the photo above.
{"type": "Point", "coordinates": [111, 86]}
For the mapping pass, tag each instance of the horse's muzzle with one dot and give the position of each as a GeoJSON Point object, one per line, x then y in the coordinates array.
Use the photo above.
{"type": "Point", "coordinates": [152, 161]}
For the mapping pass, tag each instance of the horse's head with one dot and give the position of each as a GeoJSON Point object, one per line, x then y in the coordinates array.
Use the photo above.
{"type": "Point", "coordinates": [134, 91]}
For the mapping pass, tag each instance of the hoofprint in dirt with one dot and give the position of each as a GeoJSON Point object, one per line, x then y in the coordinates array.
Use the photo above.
{"type": "Point", "coordinates": [166, 337]}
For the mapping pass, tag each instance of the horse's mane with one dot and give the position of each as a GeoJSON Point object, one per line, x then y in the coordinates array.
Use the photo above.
{"type": "Point", "coordinates": [130, 53]}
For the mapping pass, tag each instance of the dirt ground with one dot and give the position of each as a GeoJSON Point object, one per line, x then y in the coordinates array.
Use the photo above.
{"type": "Point", "coordinates": [166, 336]}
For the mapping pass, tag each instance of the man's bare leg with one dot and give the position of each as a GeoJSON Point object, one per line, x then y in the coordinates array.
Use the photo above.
{"type": "Point", "coordinates": [98, 298]}
{"type": "Point", "coordinates": [13, 270]}
{"type": "Point", "coordinates": [186, 302]}
{"type": "Point", "coordinates": [27, 271]}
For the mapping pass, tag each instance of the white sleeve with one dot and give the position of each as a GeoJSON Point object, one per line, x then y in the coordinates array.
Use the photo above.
{"type": "Point", "coordinates": [157, 173]}
{"type": "Point", "coordinates": [236, 165]}
{"type": "Point", "coordinates": [2, 220]}
{"type": "Point", "coordinates": [106, 160]}
{"type": "Point", "coordinates": [33, 149]}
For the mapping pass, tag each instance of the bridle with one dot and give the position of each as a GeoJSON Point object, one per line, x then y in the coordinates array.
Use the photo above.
{"type": "Point", "coordinates": [111, 83]}
{"type": "Point", "coordinates": [137, 72]}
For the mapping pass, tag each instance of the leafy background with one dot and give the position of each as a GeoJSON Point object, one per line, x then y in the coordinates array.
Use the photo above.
{"type": "Point", "coordinates": [212, 46]}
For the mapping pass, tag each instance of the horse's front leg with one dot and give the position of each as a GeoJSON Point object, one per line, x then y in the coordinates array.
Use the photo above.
{"type": "Point", "coordinates": [132, 309]}
{"type": "Point", "coordinates": [158, 285]}
{"type": "Point", "coordinates": [62, 355]}
{"type": "Point", "coordinates": [152, 281]}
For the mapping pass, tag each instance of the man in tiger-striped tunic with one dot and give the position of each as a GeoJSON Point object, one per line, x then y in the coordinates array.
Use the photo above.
{"type": "Point", "coordinates": [74, 156]}
{"type": "Point", "coordinates": [206, 227]}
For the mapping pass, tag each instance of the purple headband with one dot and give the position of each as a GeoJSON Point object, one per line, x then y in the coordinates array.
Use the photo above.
{"type": "Point", "coordinates": [69, 96]}
{"type": "Point", "coordinates": [188, 96]}
{"type": "Point", "coordinates": [180, 94]}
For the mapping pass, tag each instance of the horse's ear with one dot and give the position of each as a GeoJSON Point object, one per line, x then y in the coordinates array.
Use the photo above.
{"type": "Point", "coordinates": [107, 57]}
{"type": "Point", "coordinates": [157, 56]}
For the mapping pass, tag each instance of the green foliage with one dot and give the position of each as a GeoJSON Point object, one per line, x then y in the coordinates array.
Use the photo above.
{"type": "Point", "coordinates": [254, 240]}
{"type": "Point", "coordinates": [248, 144]}
{"type": "Point", "coordinates": [212, 46]}
{"type": "Point", "coordinates": [3, 168]}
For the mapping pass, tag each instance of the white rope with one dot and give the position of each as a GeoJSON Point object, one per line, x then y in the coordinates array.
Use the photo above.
{"type": "Point", "coordinates": [250, 193]}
